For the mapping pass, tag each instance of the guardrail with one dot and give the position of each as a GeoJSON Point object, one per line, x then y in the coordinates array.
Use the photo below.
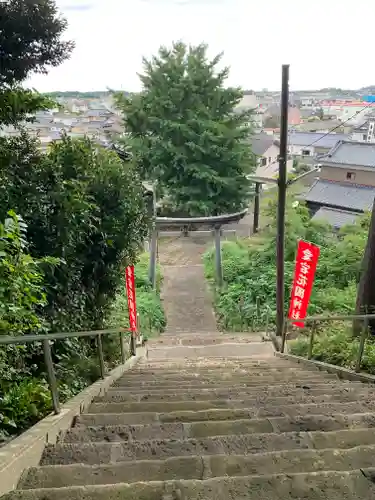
{"type": "Point", "coordinates": [46, 339]}
{"type": "Point", "coordinates": [314, 322]}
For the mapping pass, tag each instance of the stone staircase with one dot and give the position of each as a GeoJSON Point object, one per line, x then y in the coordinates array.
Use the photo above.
{"type": "Point", "coordinates": [186, 298]}
{"type": "Point", "coordinates": [215, 429]}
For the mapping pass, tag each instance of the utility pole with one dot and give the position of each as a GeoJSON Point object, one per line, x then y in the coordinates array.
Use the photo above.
{"type": "Point", "coordinates": [282, 183]}
{"type": "Point", "coordinates": [256, 208]}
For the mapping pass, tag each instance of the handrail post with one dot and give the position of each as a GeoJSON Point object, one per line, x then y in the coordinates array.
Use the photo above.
{"type": "Point", "coordinates": [101, 356]}
{"type": "Point", "coordinates": [133, 348]}
{"type": "Point", "coordinates": [153, 256]}
{"type": "Point", "coordinates": [139, 330]}
{"type": "Point", "coordinates": [122, 349]}
{"type": "Point", "coordinates": [51, 376]}
{"type": "Point", "coordinates": [256, 207]}
{"type": "Point", "coordinates": [311, 343]}
{"type": "Point", "coordinates": [218, 263]}
{"type": "Point", "coordinates": [362, 342]}
{"type": "Point", "coordinates": [284, 334]}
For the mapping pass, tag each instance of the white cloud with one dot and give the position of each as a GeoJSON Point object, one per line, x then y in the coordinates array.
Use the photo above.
{"type": "Point", "coordinates": [325, 42]}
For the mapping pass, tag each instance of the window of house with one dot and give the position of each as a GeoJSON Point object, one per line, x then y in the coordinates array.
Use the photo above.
{"type": "Point", "coordinates": [350, 176]}
{"type": "Point", "coordinates": [305, 152]}
{"type": "Point", "coordinates": [364, 137]}
{"type": "Point", "coordinates": [264, 162]}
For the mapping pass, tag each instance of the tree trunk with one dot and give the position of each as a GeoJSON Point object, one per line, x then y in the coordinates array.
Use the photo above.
{"type": "Point", "coordinates": [366, 287]}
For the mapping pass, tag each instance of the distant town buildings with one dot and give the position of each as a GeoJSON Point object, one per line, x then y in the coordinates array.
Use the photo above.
{"type": "Point", "coordinates": [94, 118]}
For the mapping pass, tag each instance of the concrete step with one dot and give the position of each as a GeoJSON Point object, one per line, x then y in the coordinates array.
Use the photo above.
{"type": "Point", "coordinates": [198, 385]}
{"type": "Point", "coordinates": [203, 363]}
{"type": "Point", "coordinates": [180, 430]}
{"type": "Point", "coordinates": [166, 405]}
{"type": "Point", "coordinates": [354, 485]}
{"type": "Point", "coordinates": [244, 444]}
{"type": "Point", "coordinates": [234, 391]}
{"type": "Point", "coordinates": [203, 339]}
{"type": "Point", "coordinates": [258, 370]}
{"type": "Point", "coordinates": [224, 414]}
{"type": "Point", "coordinates": [200, 467]}
{"type": "Point", "coordinates": [306, 377]}
{"type": "Point", "coordinates": [230, 350]}
{"type": "Point", "coordinates": [234, 400]}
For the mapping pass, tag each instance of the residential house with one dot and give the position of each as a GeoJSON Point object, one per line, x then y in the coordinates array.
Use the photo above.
{"type": "Point", "coordinates": [266, 149]}
{"type": "Point", "coordinates": [346, 184]}
{"type": "Point", "coordinates": [66, 118]}
{"type": "Point", "coordinates": [96, 115]}
{"type": "Point", "coordinates": [323, 126]}
{"type": "Point", "coordinates": [79, 128]}
{"type": "Point", "coordinates": [365, 131]}
{"type": "Point", "coordinates": [79, 106]}
{"type": "Point", "coordinates": [294, 114]}
{"type": "Point", "coordinates": [312, 144]}
{"type": "Point", "coordinates": [248, 101]}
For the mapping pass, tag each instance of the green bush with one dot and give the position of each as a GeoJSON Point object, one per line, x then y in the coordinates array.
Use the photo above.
{"type": "Point", "coordinates": [247, 301]}
{"type": "Point", "coordinates": [336, 345]}
{"type": "Point", "coordinates": [22, 405]}
{"type": "Point", "coordinates": [83, 205]}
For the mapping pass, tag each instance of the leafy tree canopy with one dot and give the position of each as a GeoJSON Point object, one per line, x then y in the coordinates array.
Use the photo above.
{"type": "Point", "coordinates": [30, 42]}
{"type": "Point", "coordinates": [30, 39]}
{"type": "Point", "coordinates": [185, 134]}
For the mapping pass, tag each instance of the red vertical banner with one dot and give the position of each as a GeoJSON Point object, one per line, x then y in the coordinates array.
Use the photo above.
{"type": "Point", "coordinates": [304, 273]}
{"type": "Point", "coordinates": [130, 289]}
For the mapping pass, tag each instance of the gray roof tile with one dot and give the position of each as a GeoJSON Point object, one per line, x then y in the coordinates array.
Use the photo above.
{"type": "Point", "coordinates": [334, 217]}
{"type": "Point", "coordinates": [343, 195]}
{"type": "Point", "coordinates": [317, 139]}
{"type": "Point", "coordinates": [260, 143]}
{"type": "Point", "coordinates": [351, 153]}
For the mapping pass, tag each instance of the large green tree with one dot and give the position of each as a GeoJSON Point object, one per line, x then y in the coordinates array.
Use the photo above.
{"type": "Point", "coordinates": [30, 42]}
{"type": "Point", "coordinates": [185, 133]}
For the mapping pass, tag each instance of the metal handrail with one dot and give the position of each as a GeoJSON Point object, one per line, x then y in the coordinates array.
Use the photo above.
{"type": "Point", "coordinates": [24, 339]}
{"type": "Point", "coordinates": [310, 319]}
{"type": "Point", "coordinates": [314, 320]}
{"type": "Point", "coordinates": [46, 341]}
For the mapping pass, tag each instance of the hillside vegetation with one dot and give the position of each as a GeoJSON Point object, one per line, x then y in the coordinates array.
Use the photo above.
{"type": "Point", "coordinates": [249, 293]}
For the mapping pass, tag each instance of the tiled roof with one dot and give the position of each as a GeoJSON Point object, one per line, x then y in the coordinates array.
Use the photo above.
{"type": "Point", "coordinates": [317, 139]}
{"type": "Point", "coordinates": [334, 217]}
{"type": "Point", "coordinates": [342, 195]}
{"type": "Point", "coordinates": [351, 153]}
{"type": "Point", "coordinates": [260, 143]}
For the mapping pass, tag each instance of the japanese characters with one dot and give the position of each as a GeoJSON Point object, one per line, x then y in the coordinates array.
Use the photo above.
{"type": "Point", "coordinates": [306, 262]}
{"type": "Point", "coordinates": [130, 287]}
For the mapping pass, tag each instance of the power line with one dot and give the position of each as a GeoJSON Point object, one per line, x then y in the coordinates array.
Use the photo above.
{"type": "Point", "coordinates": [339, 125]}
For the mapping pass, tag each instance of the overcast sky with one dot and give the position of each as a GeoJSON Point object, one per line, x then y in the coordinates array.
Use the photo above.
{"type": "Point", "coordinates": [328, 43]}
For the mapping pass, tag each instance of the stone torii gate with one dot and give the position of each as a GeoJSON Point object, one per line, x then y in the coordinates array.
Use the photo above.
{"type": "Point", "coordinates": [186, 224]}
